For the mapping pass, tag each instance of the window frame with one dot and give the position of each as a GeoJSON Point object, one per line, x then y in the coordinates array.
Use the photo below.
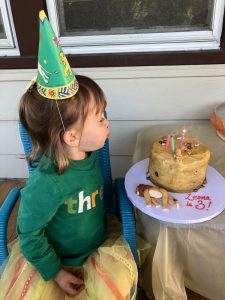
{"type": "Point", "coordinates": [8, 45]}
{"type": "Point", "coordinates": [140, 42]}
{"type": "Point", "coordinates": [27, 37]}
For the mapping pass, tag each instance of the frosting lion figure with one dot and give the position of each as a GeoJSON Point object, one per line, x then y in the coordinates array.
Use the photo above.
{"type": "Point", "coordinates": [153, 195]}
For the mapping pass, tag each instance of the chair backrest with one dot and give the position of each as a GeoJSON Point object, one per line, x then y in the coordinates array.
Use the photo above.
{"type": "Point", "coordinates": [104, 161]}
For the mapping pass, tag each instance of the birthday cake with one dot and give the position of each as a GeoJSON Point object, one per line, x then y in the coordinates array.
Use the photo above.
{"type": "Point", "coordinates": [178, 163]}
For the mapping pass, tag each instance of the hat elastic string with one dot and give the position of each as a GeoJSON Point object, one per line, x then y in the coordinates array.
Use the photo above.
{"type": "Point", "coordinates": [60, 115]}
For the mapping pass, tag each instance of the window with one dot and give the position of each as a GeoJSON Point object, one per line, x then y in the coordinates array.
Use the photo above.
{"type": "Point", "coordinates": [106, 38]}
{"type": "Point", "coordinates": [131, 26]}
{"type": "Point", "coordinates": [8, 42]}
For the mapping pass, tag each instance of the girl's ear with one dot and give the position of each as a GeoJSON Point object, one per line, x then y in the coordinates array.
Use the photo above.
{"type": "Point", "coordinates": [71, 138]}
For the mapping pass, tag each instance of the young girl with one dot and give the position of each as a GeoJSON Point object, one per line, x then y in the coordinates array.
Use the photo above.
{"type": "Point", "coordinates": [62, 249]}
{"type": "Point", "coordinates": [61, 220]}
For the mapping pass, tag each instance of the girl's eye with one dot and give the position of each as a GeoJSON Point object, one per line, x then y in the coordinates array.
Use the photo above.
{"type": "Point", "coordinates": [102, 118]}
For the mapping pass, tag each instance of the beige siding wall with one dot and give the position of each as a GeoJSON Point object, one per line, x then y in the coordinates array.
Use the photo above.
{"type": "Point", "coordinates": [138, 97]}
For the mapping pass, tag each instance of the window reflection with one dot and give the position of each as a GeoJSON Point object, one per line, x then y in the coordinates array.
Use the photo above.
{"type": "Point", "coordinates": [98, 17]}
{"type": "Point", "coordinates": [2, 30]}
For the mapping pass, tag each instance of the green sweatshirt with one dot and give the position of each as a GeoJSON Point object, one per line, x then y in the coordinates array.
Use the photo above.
{"type": "Point", "coordinates": [61, 218]}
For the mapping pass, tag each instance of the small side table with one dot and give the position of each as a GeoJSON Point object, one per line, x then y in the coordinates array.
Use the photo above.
{"type": "Point", "coordinates": [182, 256]}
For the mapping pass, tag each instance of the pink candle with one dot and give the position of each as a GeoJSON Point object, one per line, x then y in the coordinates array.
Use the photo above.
{"type": "Point", "coordinates": [182, 139]}
{"type": "Point", "coordinates": [167, 141]}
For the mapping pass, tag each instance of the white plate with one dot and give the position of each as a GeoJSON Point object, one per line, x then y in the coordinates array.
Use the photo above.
{"type": "Point", "coordinates": [195, 207]}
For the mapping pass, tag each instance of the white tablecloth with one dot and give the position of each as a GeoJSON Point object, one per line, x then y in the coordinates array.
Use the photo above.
{"type": "Point", "coordinates": [183, 255]}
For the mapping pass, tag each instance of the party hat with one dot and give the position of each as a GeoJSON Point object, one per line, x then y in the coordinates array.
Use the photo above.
{"type": "Point", "coordinates": [55, 79]}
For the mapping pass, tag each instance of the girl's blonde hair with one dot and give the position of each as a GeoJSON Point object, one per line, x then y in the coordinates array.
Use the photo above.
{"type": "Point", "coordinates": [40, 117]}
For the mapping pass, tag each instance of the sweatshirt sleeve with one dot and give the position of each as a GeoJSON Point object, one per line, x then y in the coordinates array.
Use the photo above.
{"type": "Point", "coordinates": [40, 201]}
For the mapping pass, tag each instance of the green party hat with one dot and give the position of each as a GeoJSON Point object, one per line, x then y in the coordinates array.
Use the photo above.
{"type": "Point", "coordinates": [55, 79]}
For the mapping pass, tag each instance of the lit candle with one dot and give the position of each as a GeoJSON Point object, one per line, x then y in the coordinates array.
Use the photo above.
{"type": "Point", "coordinates": [172, 144]}
{"type": "Point", "coordinates": [182, 139]}
{"type": "Point", "coordinates": [167, 141]}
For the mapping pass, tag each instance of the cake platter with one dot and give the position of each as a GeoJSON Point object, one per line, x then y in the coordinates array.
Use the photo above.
{"type": "Point", "coordinates": [195, 207]}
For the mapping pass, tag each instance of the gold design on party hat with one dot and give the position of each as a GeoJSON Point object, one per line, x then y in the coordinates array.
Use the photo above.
{"type": "Point", "coordinates": [55, 78]}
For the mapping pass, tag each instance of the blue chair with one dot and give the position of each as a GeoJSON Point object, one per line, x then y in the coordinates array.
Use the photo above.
{"type": "Point", "coordinates": [116, 203]}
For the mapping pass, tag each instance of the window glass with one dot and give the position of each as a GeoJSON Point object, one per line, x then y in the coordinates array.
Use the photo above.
{"type": "Point", "coordinates": [2, 29]}
{"type": "Point", "coordinates": [99, 17]}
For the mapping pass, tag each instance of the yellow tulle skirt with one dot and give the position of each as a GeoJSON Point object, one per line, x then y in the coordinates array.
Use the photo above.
{"type": "Point", "coordinates": [109, 273]}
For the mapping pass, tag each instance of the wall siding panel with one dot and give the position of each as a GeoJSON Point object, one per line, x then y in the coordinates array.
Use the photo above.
{"type": "Point", "coordinates": [137, 98]}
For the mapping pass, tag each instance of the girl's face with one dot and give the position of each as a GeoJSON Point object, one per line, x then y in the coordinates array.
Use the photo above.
{"type": "Point", "coordinates": [95, 130]}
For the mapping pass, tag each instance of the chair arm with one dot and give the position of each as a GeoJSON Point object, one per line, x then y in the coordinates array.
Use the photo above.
{"type": "Point", "coordinates": [127, 216]}
{"type": "Point", "coordinates": [5, 211]}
